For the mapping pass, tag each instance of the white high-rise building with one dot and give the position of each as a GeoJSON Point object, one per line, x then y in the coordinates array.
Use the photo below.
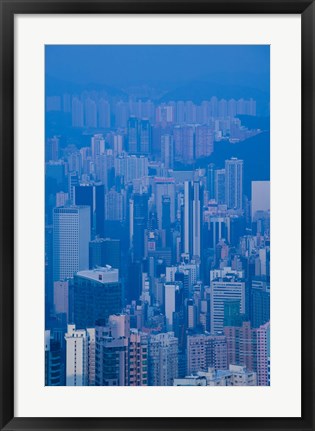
{"type": "Point", "coordinates": [171, 291]}
{"type": "Point", "coordinates": [221, 291]}
{"type": "Point", "coordinates": [234, 183]}
{"type": "Point", "coordinates": [71, 236]}
{"type": "Point", "coordinates": [80, 356]}
{"type": "Point", "coordinates": [97, 145]}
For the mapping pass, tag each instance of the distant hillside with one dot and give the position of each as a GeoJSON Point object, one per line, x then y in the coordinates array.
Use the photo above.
{"type": "Point", "coordinates": [254, 151]}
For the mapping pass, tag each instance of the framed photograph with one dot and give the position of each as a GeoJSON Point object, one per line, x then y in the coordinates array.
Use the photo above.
{"type": "Point", "coordinates": [157, 215]}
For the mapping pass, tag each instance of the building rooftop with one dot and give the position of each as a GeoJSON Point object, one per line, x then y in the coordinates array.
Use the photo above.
{"type": "Point", "coordinates": [103, 275]}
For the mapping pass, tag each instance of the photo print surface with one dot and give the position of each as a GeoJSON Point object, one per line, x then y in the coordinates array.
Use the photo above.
{"type": "Point", "coordinates": [157, 215]}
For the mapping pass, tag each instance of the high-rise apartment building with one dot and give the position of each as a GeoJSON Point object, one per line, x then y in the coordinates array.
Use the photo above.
{"type": "Point", "coordinates": [239, 345]}
{"type": "Point", "coordinates": [77, 112]}
{"type": "Point", "coordinates": [138, 358]}
{"type": "Point", "coordinates": [204, 141]}
{"type": "Point", "coordinates": [112, 357]}
{"type": "Point", "coordinates": [163, 359]}
{"type": "Point", "coordinates": [80, 356]}
{"type": "Point", "coordinates": [205, 350]}
{"type": "Point", "coordinates": [261, 348]}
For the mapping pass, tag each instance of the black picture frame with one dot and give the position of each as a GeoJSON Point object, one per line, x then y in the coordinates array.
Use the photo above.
{"type": "Point", "coordinates": [9, 8]}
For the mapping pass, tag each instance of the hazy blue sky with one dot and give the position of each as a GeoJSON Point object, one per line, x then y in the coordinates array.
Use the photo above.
{"type": "Point", "coordinates": [123, 65]}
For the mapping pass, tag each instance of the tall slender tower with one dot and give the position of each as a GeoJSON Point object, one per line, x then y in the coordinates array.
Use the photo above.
{"type": "Point", "coordinates": [80, 351]}
{"type": "Point", "coordinates": [234, 183]}
{"type": "Point", "coordinates": [145, 137]}
{"type": "Point", "coordinates": [140, 220]}
{"type": "Point", "coordinates": [193, 203]}
{"type": "Point", "coordinates": [133, 135]}
{"type": "Point", "coordinates": [197, 219]}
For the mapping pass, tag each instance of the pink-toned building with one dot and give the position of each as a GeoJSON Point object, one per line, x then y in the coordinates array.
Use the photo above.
{"type": "Point", "coordinates": [239, 345]}
{"type": "Point", "coordinates": [261, 347]}
{"type": "Point", "coordinates": [251, 348]}
{"type": "Point", "coordinates": [138, 359]}
{"type": "Point", "coordinates": [204, 351]}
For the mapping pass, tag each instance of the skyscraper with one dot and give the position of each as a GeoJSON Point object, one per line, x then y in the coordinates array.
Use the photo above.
{"type": "Point", "coordinates": [77, 112]}
{"type": "Point", "coordinates": [145, 137]}
{"type": "Point", "coordinates": [222, 290]}
{"type": "Point", "coordinates": [52, 149]}
{"type": "Point", "coordinates": [164, 187]}
{"type": "Point", "coordinates": [204, 141]}
{"type": "Point", "coordinates": [204, 351]}
{"type": "Point", "coordinates": [71, 236]}
{"type": "Point", "coordinates": [240, 345]}
{"type": "Point", "coordinates": [211, 180]}
{"type": "Point", "coordinates": [133, 135]}
{"type": "Point", "coordinates": [192, 218]}
{"type": "Point", "coordinates": [174, 301]}
{"type": "Point", "coordinates": [140, 220]}
{"type": "Point", "coordinates": [163, 362]}
{"type": "Point", "coordinates": [260, 302]}
{"type": "Point", "coordinates": [114, 206]}
{"type": "Point", "coordinates": [219, 186]}
{"type": "Point", "coordinates": [54, 367]}
{"type": "Point", "coordinates": [104, 251]}
{"type": "Point", "coordinates": [111, 359]}
{"type": "Point", "coordinates": [261, 347]}
{"type": "Point", "coordinates": [61, 297]}
{"type": "Point", "coordinates": [234, 183]}
{"type": "Point", "coordinates": [80, 359]}
{"type": "Point", "coordinates": [184, 139]}
{"type": "Point", "coordinates": [138, 358]}
{"type": "Point", "coordinates": [97, 294]}
{"type": "Point", "coordinates": [93, 196]}
{"type": "Point", "coordinates": [97, 145]}
{"type": "Point", "coordinates": [90, 113]}
{"type": "Point", "coordinates": [167, 151]}
{"type": "Point", "coordinates": [104, 114]}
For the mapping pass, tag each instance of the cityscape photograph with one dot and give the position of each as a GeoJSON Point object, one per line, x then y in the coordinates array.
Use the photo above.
{"type": "Point", "coordinates": [157, 215]}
